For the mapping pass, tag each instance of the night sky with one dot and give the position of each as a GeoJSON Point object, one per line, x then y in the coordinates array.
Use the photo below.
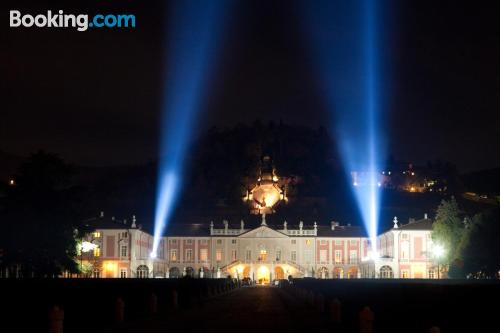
{"type": "Point", "coordinates": [95, 97]}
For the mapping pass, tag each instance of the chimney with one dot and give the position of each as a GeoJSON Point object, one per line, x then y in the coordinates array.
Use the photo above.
{"type": "Point", "coordinates": [101, 214]}
{"type": "Point", "coordinates": [425, 216]}
{"type": "Point", "coordinates": [133, 222]}
{"type": "Point", "coordinates": [334, 224]}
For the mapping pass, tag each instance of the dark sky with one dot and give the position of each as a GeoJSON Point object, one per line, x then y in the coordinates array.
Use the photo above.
{"type": "Point", "coordinates": [95, 97]}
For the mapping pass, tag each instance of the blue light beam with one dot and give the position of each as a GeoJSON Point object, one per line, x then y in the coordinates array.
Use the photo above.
{"type": "Point", "coordinates": [192, 30]}
{"type": "Point", "coordinates": [344, 41]}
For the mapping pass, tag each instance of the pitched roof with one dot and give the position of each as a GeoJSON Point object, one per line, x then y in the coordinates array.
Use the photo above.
{"type": "Point", "coordinates": [423, 224]}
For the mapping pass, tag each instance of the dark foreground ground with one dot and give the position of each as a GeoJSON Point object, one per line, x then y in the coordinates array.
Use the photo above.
{"type": "Point", "coordinates": [220, 306]}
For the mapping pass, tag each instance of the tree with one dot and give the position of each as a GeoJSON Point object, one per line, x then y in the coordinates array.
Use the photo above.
{"type": "Point", "coordinates": [448, 231]}
{"type": "Point", "coordinates": [481, 251]}
{"type": "Point", "coordinates": [40, 218]}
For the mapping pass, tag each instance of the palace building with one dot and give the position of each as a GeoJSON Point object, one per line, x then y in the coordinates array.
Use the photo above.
{"type": "Point", "coordinates": [258, 250]}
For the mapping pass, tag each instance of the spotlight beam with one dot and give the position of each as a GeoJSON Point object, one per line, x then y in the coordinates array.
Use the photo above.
{"type": "Point", "coordinates": [192, 31]}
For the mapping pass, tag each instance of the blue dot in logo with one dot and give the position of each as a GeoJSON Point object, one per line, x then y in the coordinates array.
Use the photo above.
{"type": "Point", "coordinates": [91, 24]}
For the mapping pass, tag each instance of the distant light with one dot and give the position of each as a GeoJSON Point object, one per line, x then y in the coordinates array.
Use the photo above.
{"type": "Point", "coordinates": [389, 173]}
{"type": "Point", "coordinates": [12, 182]}
{"type": "Point", "coordinates": [438, 251]}
{"type": "Point", "coordinates": [379, 184]}
{"type": "Point", "coordinates": [355, 184]}
{"type": "Point", "coordinates": [412, 189]}
{"type": "Point", "coordinates": [413, 173]}
{"type": "Point", "coordinates": [153, 255]}
{"type": "Point", "coordinates": [87, 246]}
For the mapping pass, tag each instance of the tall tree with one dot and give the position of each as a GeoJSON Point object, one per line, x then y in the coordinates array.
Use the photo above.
{"type": "Point", "coordinates": [448, 231]}
{"type": "Point", "coordinates": [40, 218]}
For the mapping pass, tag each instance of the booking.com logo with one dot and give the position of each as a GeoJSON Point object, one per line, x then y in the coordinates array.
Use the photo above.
{"type": "Point", "coordinates": [61, 20]}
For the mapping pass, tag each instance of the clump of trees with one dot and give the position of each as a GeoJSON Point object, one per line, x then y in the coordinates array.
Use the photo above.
{"type": "Point", "coordinates": [471, 242]}
{"type": "Point", "coordinates": [39, 219]}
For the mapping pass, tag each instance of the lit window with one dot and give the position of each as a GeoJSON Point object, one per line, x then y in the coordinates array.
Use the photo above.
{"type": "Point", "coordinates": [124, 251]}
{"type": "Point", "coordinates": [123, 273]}
{"type": "Point", "coordinates": [173, 255]}
{"type": "Point", "coordinates": [432, 274]}
{"type": "Point", "coordinates": [189, 255]}
{"type": "Point", "coordinates": [203, 255]}
{"type": "Point", "coordinates": [97, 234]}
{"type": "Point", "coordinates": [248, 255]}
{"type": "Point", "coordinates": [233, 255]}
{"type": "Point", "coordinates": [263, 255]}
{"type": "Point", "coordinates": [97, 252]}
{"type": "Point", "coordinates": [308, 242]}
{"type": "Point", "coordinates": [405, 274]}
{"type": "Point", "coordinates": [294, 256]}
{"type": "Point", "coordinates": [218, 255]}
{"type": "Point", "coordinates": [353, 257]}
{"type": "Point", "coordinates": [338, 256]}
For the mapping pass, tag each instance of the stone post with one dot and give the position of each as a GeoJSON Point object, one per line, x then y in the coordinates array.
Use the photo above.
{"type": "Point", "coordinates": [366, 318]}
{"type": "Point", "coordinates": [119, 310]}
{"type": "Point", "coordinates": [153, 304]}
{"type": "Point", "coordinates": [56, 320]}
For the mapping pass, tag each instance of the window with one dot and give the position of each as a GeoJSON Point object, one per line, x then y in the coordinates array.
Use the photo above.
{"type": "Point", "coordinates": [123, 273]}
{"type": "Point", "coordinates": [308, 242]}
{"type": "Point", "coordinates": [322, 256]}
{"type": "Point", "coordinates": [96, 234]}
{"type": "Point", "coordinates": [405, 249]}
{"type": "Point", "coordinates": [123, 251]}
{"type": "Point", "coordinates": [233, 255]}
{"type": "Point", "coordinates": [173, 255]}
{"type": "Point", "coordinates": [338, 242]}
{"type": "Point", "coordinates": [323, 242]}
{"type": "Point", "coordinates": [219, 241]}
{"type": "Point", "coordinates": [294, 241]}
{"type": "Point", "coordinates": [204, 242]}
{"type": "Point", "coordinates": [248, 255]}
{"type": "Point", "coordinates": [338, 256]}
{"type": "Point", "coordinates": [203, 255]}
{"type": "Point", "coordinates": [218, 255]}
{"type": "Point", "coordinates": [432, 274]}
{"type": "Point", "coordinates": [293, 256]}
{"type": "Point", "coordinates": [278, 255]}
{"type": "Point", "coordinates": [354, 242]}
{"type": "Point", "coordinates": [189, 255]}
{"type": "Point", "coordinates": [233, 241]}
{"type": "Point", "coordinates": [263, 255]}
{"type": "Point", "coordinates": [125, 234]}
{"type": "Point", "coordinates": [405, 274]}
{"type": "Point", "coordinates": [308, 256]}
{"type": "Point", "coordinates": [97, 251]}
{"type": "Point", "coordinates": [173, 241]}
{"type": "Point", "coordinates": [353, 257]}
{"type": "Point", "coordinates": [404, 236]}
{"type": "Point", "coordinates": [189, 241]}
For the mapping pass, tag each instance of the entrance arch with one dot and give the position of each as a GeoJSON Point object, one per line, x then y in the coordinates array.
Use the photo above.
{"type": "Point", "coordinates": [323, 273]}
{"type": "Point", "coordinates": [338, 273]}
{"type": "Point", "coordinates": [263, 275]}
{"type": "Point", "coordinates": [174, 272]}
{"type": "Point", "coordinates": [246, 272]}
{"type": "Point", "coordinates": [386, 272]}
{"type": "Point", "coordinates": [279, 274]}
{"type": "Point", "coordinates": [142, 271]}
{"type": "Point", "coordinates": [352, 273]}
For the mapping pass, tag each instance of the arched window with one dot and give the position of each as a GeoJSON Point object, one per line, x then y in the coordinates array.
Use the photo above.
{"type": "Point", "coordinates": [142, 272]}
{"type": "Point", "coordinates": [386, 272]}
{"type": "Point", "coordinates": [190, 271]}
{"type": "Point", "coordinates": [174, 272]}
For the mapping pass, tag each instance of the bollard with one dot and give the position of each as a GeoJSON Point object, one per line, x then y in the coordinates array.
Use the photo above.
{"type": "Point", "coordinates": [366, 318]}
{"type": "Point", "coordinates": [56, 320]}
{"type": "Point", "coordinates": [320, 303]}
{"type": "Point", "coordinates": [174, 299]}
{"type": "Point", "coordinates": [335, 309]}
{"type": "Point", "coordinates": [119, 310]}
{"type": "Point", "coordinates": [434, 329]}
{"type": "Point", "coordinates": [153, 304]}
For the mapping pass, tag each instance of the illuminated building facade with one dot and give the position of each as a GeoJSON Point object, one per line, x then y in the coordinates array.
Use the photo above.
{"type": "Point", "coordinates": [261, 252]}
